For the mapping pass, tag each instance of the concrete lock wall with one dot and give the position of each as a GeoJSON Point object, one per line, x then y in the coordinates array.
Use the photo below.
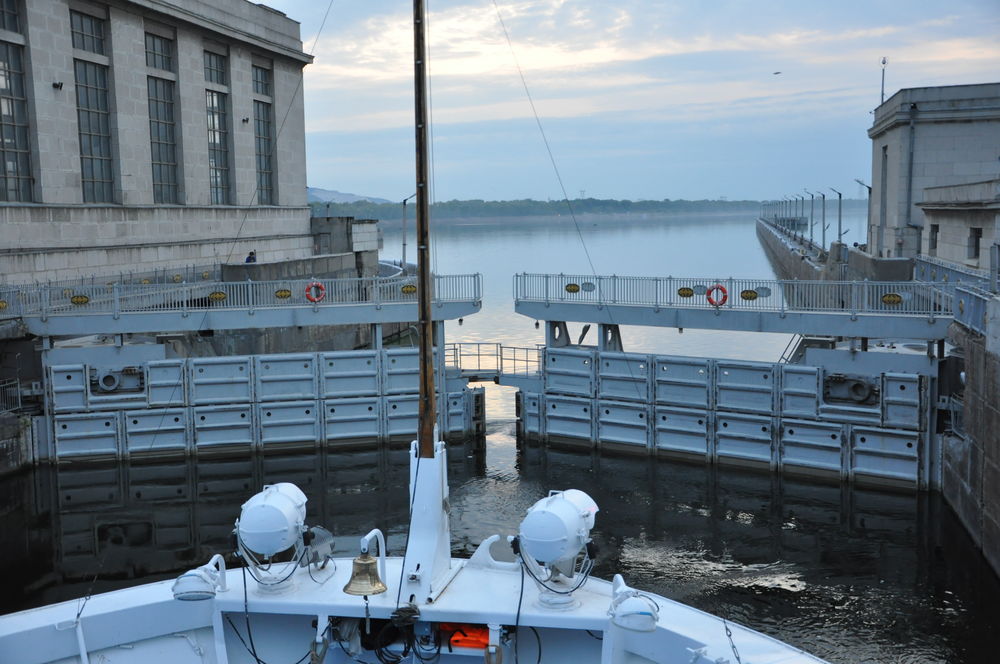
{"type": "Point", "coordinates": [971, 464]}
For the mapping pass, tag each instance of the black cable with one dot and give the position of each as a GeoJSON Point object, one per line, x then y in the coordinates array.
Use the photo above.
{"type": "Point", "coordinates": [599, 638]}
{"type": "Point", "coordinates": [246, 615]}
{"type": "Point", "coordinates": [584, 575]}
{"type": "Point", "coordinates": [517, 617]}
{"type": "Point", "coordinates": [406, 543]}
{"type": "Point", "coordinates": [539, 639]}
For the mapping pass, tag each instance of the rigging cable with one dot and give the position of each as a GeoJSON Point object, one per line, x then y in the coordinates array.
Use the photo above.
{"type": "Point", "coordinates": [555, 168]}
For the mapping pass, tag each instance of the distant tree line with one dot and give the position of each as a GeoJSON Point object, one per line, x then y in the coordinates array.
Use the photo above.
{"type": "Point", "coordinates": [529, 208]}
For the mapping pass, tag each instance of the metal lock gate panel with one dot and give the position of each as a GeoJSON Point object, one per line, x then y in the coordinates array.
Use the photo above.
{"type": "Point", "coordinates": [156, 430]}
{"type": "Point", "coordinates": [352, 419]}
{"type": "Point", "coordinates": [745, 386]}
{"type": "Point", "coordinates": [288, 376]}
{"type": "Point", "coordinates": [569, 372]}
{"type": "Point", "coordinates": [743, 437]}
{"type": "Point", "coordinates": [681, 430]}
{"type": "Point", "coordinates": [885, 454]}
{"type": "Point", "coordinates": [800, 391]}
{"type": "Point", "coordinates": [623, 376]}
{"type": "Point", "coordinates": [902, 399]}
{"type": "Point", "coordinates": [349, 374]}
{"type": "Point", "coordinates": [223, 425]}
{"type": "Point", "coordinates": [681, 381]}
{"type": "Point", "coordinates": [69, 388]}
{"type": "Point", "coordinates": [88, 433]}
{"type": "Point", "coordinates": [117, 388]}
{"type": "Point", "coordinates": [401, 371]}
{"type": "Point", "coordinates": [155, 483]}
{"type": "Point", "coordinates": [289, 422]}
{"type": "Point", "coordinates": [812, 445]}
{"type": "Point", "coordinates": [220, 380]}
{"type": "Point", "coordinates": [531, 408]}
{"type": "Point", "coordinates": [401, 415]}
{"type": "Point", "coordinates": [458, 410]}
{"type": "Point", "coordinates": [625, 423]}
{"type": "Point", "coordinates": [165, 383]}
{"type": "Point", "coordinates": [569, 417]}
{"type": "Point", "coordinates": [850, 414]}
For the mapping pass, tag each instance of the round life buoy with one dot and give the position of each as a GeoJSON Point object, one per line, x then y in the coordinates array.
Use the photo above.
{"type": "Point", "coordinates": [723, 298]}
{"type": "Point", "coordinates": [315, 291]}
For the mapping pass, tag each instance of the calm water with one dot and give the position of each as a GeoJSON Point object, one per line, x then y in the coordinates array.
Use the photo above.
{"type": "Point", "coordinates": [853, 576]}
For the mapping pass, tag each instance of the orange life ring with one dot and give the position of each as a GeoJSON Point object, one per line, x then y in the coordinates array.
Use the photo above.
{"type": "Point", "coordinates": [315, 291]}
{"type": "Point", "coordinates": [711, 292]}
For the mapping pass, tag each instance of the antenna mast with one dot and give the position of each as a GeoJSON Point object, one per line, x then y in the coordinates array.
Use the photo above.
{"type": "Point", "coordinates": [428, 409]}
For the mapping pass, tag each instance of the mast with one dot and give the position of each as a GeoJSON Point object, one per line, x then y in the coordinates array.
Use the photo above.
{"type": "Point", "coordinates": [428, 409]}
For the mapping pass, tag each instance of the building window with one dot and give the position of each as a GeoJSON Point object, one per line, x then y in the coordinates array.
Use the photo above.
{"type": "Point", "coordinates": [94, 118]}
{"type": "Point", "coordinates": [264, 143]}
{"type": "Point", "coordinates": [9, 18]}
{"type": "Point", "coordinates": [88, 32]}
{"type": "Point", "coordinates": [262, 81]}
{"type": "Point", "coordinates": [215, 68]}
{"type": "Point", "coordinates": [932, 241]}
{"type": "Point", "coordinates": [159, 52]}
{"type": "Point", "coordinates": [975, 239]}
{"type": "Point", "coordinates": [15, 151]}
{"type": "Point", "coordinates": [162, 139]}
{"type": "Point", "coordinates": [218, 146]}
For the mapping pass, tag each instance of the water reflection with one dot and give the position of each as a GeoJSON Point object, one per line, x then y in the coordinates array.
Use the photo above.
{"type": "Point", "coordinates": [856, 576]}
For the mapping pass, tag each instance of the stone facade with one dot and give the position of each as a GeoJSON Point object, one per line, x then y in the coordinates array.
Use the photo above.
{"type": "Point", "coordinates": [962, 224]}
{"type": "Point", "coordinates": [55, 234]}
{"type": "Point", "coordinates": [953, 135]}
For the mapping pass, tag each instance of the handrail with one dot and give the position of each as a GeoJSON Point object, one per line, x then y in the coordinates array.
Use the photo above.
{"type": "Point", "coordinates": [905, 298]}
{"type": "Point", "coordinates": [186, 298]}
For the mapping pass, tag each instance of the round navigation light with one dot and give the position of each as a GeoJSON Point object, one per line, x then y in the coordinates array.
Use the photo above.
{"type": "Point", "coordinates": [557, 528]}
{"type": "Point", "coordinates": [273, 520]}
{"type": "Point", "coordinates": [202, 582]}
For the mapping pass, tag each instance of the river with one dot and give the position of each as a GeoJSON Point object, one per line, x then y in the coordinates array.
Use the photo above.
{"type": "Point", "coordinates": [850, 575]}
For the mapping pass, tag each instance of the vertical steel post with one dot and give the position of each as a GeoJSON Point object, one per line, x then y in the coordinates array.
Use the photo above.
{"type": "Point", "coordinates": [428, 410]}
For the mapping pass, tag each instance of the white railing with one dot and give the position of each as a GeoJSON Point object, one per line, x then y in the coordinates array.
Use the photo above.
{"type": "Point", "coordinates": [10, 395]}
{"type": "Point", "coordinates": [855, 297]}
{"type": "Point", "coordinates": [119, 299]}
{"type": "Point", "coordinates": [492, 358]}
{"type": "Point", "coordinates": [948, 275]}
{"type": "Point", "coordinates": [477, 357]}
{"type": "Point", "coordinates": [520, 360]}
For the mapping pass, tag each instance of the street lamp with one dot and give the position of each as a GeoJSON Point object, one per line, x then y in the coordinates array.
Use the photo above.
{"type": "Point", "coordinates": [822, 221]}
{"type": "Point", "coordinates": [812, 200]}
{"type": "Point", "coordinates": [868, 225]}
{"type": "Point", "coordinates": [840, 217]}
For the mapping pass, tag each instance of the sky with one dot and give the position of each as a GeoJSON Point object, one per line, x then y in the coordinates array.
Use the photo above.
{"type": "Point", "coordinates": [640, 100]}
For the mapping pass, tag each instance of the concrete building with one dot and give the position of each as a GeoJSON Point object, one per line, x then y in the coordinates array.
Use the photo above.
{"type": "Point", "coordinates": [927, 138]}
{"type": "Point", "coordinates": [961, 224]}
{"type": "Point", "coordinates": [148, 132]}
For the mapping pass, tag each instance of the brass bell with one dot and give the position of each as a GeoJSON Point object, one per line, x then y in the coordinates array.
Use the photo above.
{"type": "Point", "coordinates": [364, 577]}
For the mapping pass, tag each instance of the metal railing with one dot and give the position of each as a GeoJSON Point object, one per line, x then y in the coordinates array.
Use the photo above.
{"type": "Point", "coordinates": [10, 395]}
{"type": "Point", "coordinates": [948, 274]}
{"type": "Point", "coordinates": [853, 297]}
{"type": "Point", "coordinates": [117, 299]}
{"type": "Point", "coordinates": [971, 307]}
{"type": "Point", "coordinates": [521, 360]}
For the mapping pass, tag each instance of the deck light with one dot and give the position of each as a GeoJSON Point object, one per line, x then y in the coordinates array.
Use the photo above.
{"type": "Point", "coordinates": [202, 582]}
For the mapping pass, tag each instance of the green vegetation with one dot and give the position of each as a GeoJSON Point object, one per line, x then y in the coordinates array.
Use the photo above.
{"type": "Point", "coordinates": [531, 208]}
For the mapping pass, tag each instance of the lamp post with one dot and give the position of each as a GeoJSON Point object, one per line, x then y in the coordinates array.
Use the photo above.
{"type": "Point", "coordinates": [840, 216]}
{"type": "Point", "coordinates": [822, 221]}
{"type": "Point", "coordinates": [868, 233]}
{"type": "Point", "coordinates": [403, 261]}
{"type": "Point", "coordinates": [812, 200]}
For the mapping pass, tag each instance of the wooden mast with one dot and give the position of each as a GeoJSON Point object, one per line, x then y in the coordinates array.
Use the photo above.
{"type": "Point", "coordinates": [428, 406]}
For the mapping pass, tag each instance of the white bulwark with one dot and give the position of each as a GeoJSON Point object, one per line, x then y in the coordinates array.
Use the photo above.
{"type": "Point", "coordinates": [927, 138]}
{"type": "Point", "coordinates": [149, 132]}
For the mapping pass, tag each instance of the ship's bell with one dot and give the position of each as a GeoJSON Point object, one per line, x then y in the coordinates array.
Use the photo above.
{"type": "Point", "coordinates": [364, 577]}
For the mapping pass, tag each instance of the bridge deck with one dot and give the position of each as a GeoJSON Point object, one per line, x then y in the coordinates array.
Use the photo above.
{"type": "Point", "coordinates": [852, 309]}
{"type": "Point", "coordinates": [115, 309]}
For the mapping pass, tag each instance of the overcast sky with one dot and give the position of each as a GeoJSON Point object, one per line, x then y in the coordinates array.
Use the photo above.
{"type": "Point", "coordinates": [645, 99]}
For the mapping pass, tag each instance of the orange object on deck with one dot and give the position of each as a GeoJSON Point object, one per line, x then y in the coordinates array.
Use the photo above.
{"type": "Point", "coordinates": [463, 635]}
